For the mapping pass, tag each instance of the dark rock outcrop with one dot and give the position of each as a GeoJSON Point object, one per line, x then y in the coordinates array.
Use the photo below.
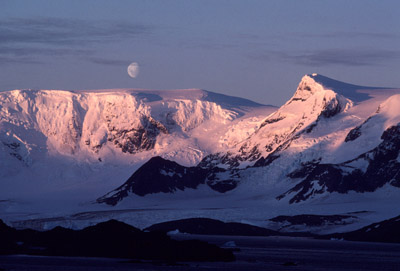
{"type": "Point", "coordinates": [313, 220]}
{"type": "Point", "coordinates": [8, 244]}
{"type": "Point", "coordinates": [159, 175]}
{"type": "Point", "coordinates": [353, 134]}
{"type": "Point", "coordinates": [137, 139]}
{"type": "Point", "coordinates": [155, 176]}
{"type": "Point", "coordinates": [211, 227]}
{"type": "Point", "coordinates": [112, 239]}
{"type": "Point", "coordinates": [382, 167]}
{"type": "Point", "coordinates": [356, 131]}
{"type": "Point", "coordinates": [386, 231]}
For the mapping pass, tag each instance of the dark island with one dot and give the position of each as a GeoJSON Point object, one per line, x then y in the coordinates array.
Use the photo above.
{"type": "Point", "coordinates": [112, 239]}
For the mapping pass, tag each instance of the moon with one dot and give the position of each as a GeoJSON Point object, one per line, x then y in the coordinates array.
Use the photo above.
{"type": "Point", "coordinates": [133, 69]}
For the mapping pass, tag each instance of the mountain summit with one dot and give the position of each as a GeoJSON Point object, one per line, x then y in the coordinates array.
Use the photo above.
{"type": "Point", "coordinates": [314, 145]}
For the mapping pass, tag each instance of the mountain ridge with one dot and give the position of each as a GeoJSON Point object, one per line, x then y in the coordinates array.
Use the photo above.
{"type": "Point", "coordinates": [213, 159]}
{"type": "Point", "coordinates": [322, 104]}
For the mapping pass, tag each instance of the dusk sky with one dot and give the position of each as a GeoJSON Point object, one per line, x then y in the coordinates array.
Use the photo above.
{"type": "Point", "coordinates": [253, 49]}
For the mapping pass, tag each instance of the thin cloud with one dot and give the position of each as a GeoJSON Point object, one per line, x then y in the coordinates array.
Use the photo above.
{"type": "Point", "coordinates": [20, 60]}
{"type": "Point", "coordinates": [26, 40]}
{"type": "Point", "coordinates": [349, 35]}
{"type": "Point", "coordinates": [329, 57]}
{"type": "Point", "coordinates": [56, 31]}
{"type": "Point", "coordinates": [105, 61]}
{"type": "Point", "coordinates": [29, 55]}
{"type": "Point", "coordinates": [346, 57]}
{"type": "Point", "coordinates": [30, 51]}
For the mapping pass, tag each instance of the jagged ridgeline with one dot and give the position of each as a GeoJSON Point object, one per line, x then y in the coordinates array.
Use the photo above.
{"type": "Point", "coordinates": [323, 140]}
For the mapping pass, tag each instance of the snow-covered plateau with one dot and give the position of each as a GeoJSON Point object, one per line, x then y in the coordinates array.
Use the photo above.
{"type": "Point", "coordinates": [74, 158]}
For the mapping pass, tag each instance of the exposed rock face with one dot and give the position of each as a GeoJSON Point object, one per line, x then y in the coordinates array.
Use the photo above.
{"type": "Point", "coordinates": [353, 134]}
{"type": "Point", "coordinates": [163, 176]}
{"type": "Point", "coordinates": [382, 167]}
{"type": "Point", "coordinates": [156, 176]}
{"type": "Point", "coordinates": [310, 103]}
{"type": "Point", "coordinates": [138, 139]}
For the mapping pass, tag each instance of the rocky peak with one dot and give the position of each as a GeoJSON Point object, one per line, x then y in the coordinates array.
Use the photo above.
{"type": "Point", "coordinates": [307, 87]}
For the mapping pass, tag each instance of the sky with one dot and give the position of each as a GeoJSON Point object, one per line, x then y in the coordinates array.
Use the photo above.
{"type": "Point", "coordinates": [253, 49]}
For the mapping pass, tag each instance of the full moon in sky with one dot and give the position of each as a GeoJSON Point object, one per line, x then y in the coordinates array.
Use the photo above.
{"type": "Point", "coordinates": [133, 69]}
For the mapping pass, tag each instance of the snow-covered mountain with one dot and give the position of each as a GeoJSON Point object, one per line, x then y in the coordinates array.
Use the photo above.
{"type": "Point", "coordinates": [332, 149]}
{"type": "Point", "coordinates": [331, 143]}
{"type": "Point", "coordinates": [53, 140]}
{"type": "Point", "coordinates": [319, 137]}
{"type": "Point", "coordinates": [95, 124]}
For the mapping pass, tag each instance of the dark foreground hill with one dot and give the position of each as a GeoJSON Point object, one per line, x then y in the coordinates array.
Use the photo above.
{"type": "Point", "coordinates": [111, 239]}
{"type": "Point", "coordinates": [386, 231]}
{"type": "Point", "coordinates": [209, 226]}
